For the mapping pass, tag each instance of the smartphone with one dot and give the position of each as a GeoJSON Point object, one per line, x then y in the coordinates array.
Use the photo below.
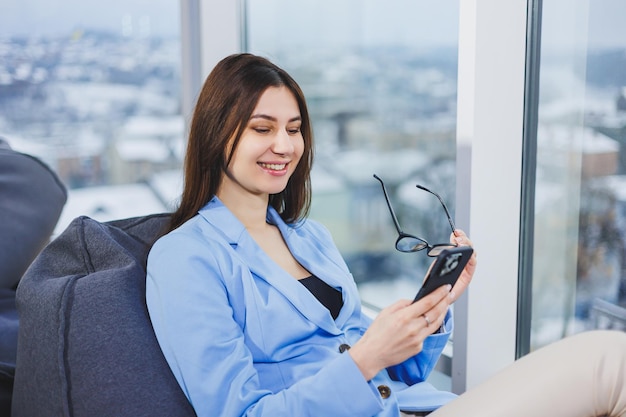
{"type": "Point", "coordinates": [446, 270]}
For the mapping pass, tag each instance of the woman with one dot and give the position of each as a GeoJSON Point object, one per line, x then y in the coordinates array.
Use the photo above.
{"type": "Point", "coordinates": [252, 304]}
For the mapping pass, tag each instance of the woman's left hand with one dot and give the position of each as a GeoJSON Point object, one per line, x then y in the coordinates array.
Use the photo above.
{"type": "Point", "coordinates": [460, 238]}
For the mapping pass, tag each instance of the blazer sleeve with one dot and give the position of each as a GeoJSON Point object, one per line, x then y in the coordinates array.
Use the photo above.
{"type": "Point", "coordinates": [193, 319]}
{"type": "Point", "coordinates": [418, 368]}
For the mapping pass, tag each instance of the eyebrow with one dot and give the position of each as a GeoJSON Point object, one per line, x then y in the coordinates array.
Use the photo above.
{"type": "Point", "coordinates": [273, 119]}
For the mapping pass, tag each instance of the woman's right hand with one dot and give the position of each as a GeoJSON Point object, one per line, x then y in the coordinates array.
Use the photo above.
{"type": "Point", "coordinates": [399, 331]}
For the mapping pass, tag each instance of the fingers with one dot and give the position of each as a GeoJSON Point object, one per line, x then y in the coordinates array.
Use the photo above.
{"type": "Point", "coordinates": [432, 299]}
{"type": "Point", "coordinates": [400, 304]}
{"type": "Point", "coordinates": [431, 310]}
{"type": "Point", "coordinates": [432, 324]}
{"type": "Point", "coordinates": [439, 312]}
{"type": "Point", "coordinates": [434, 305]}
{"type": "Point", "coordinates": [399, 331]}
{"type": "Point", "coordinates": [433, 319]}
{"type": "Point", "coordinates": [395, 308]}
{"type": "Point", "coordinates": [460, 238]}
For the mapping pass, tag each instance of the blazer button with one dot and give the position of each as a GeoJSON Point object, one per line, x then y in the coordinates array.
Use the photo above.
{"type": "Point", "coordinates": [384, 391]}
{"type": "Point", "coordinates": [343, 347]}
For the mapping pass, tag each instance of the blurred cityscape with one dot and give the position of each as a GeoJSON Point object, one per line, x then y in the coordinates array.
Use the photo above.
{"type": "Point", "coordinates": [104, 112]}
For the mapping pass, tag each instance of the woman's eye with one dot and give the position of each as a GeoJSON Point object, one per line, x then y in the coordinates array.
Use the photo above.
{"type": "Point", "coordinates": [261, 130]}
{"type": "Point", "coordinates": [293, 130]}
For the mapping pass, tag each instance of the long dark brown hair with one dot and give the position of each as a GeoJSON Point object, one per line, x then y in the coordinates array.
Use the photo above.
{"type": "Point", "coordinates": [226, 102]}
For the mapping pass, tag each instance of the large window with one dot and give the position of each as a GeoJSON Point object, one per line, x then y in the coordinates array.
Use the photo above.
{"type": "Point", "coordinates": [380, 80]}
{"type": "Point", "coordinates": [579, 272]}
{"type": "Point", "coordinates": [93, 90]}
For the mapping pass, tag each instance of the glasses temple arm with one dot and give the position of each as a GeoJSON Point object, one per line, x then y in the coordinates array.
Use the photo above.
{"type": "Point", "coordinates": [421, 187]}
{"type": "Point", "coordinates": [393, 214]}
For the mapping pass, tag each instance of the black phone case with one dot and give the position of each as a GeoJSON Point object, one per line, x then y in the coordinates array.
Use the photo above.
{"type": "Point", "coordinates": [446, 270]}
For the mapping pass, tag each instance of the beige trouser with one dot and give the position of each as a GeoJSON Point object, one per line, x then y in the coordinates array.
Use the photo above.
{"type": "Point", "coordinates": [580, 376]}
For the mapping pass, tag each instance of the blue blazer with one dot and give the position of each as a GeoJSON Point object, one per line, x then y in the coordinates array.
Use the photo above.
{"type": "Point", "coordinates": [243, 337]}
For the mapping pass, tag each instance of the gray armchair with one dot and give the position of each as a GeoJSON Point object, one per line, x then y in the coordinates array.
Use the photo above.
{"type": "Point", "coordinates": [86, 347]}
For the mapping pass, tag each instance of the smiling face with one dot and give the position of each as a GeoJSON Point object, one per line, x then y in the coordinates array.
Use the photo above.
{"type": "Point", "coordinates": [269, 149]}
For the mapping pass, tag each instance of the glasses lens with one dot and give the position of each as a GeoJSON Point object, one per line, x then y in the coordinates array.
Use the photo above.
{"type": "Point", "coordinates": [437, 249]}
{"type": "Point", "coordinates": [410, 244]}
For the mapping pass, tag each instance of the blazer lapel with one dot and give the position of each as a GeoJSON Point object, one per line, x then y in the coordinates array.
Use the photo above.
{"type": "Point", "coordinates": [263, 267]}
{"type": "Point", "coordinates": [328, 266]}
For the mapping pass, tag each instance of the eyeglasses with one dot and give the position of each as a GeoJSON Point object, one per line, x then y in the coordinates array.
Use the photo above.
{"type": "Point", "coordinates": [410, 243]}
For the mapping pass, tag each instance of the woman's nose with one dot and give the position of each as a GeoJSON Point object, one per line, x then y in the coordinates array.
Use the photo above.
{"type": "Point", "coordinates": [282, 143]}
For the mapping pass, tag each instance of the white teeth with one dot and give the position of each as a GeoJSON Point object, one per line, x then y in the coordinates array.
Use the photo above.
{"type": "Point", "coordinates": [275, 167]}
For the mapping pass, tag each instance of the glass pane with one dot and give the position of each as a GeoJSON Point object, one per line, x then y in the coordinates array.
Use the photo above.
{"type": "Point", "coordinates": [578, 276]}
{"type": "Point", "coordinates": [380, 79]}
{"type": "Point", "coordinates": [93, 90]}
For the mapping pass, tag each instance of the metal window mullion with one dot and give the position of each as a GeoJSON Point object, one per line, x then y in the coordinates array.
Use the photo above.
{"type": "Point", "coordinates": [529, 170]}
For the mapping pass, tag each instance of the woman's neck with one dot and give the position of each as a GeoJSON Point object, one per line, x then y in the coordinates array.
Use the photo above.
{"type": "Point", "coordinates": [250, 210]}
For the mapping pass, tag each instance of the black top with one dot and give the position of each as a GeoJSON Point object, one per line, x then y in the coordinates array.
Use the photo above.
{"type": "Point", "coordinates": [327, 295]}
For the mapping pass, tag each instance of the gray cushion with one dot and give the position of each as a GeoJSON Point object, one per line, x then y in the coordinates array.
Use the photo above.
{"type": "Point", "coordinates": [31, 200]}
{"type": "Point", "coordinates": [8, 347]}
{"type": "Point", "coordinates": [86, 346]}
